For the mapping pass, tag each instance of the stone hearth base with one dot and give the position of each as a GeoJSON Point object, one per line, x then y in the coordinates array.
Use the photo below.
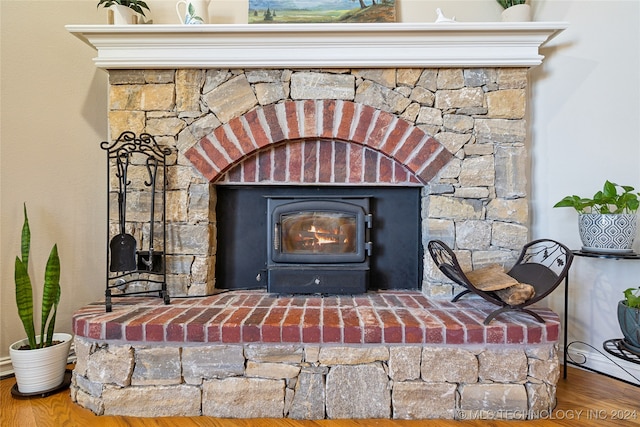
{"type": "Point", "coordinates": [247, 354]}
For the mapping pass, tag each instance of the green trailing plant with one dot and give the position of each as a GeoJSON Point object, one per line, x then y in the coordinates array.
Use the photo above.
{"type": "Point", "coordinates": [508, 3]}
{"type": "Point", "coordinates": [607, 201]}
{"type": "Point", "coordinates": [24, 291]}
{"type": "Point", "coordinates": [632, 297]}
{"type": "Point", "coordinates": [135, 5]}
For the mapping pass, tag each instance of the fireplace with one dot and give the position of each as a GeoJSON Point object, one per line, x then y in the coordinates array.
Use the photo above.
{"type": "Point", "coordinates": [318, 239]}
{"type": "Point", "coordinates": [421, 126]}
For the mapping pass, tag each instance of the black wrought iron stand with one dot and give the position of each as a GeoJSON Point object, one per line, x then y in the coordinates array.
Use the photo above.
{"type": "Point", "coordinates": [614, 347]}
{"type": "Point", "coordinates": [139, 166]}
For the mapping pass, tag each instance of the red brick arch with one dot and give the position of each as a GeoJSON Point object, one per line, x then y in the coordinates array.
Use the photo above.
{"type": "Point", "coordinates": [320, 125]}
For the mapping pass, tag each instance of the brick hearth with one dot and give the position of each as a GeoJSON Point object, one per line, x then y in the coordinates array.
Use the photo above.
{"type": "Point", "coordinates": [380, 355]}
{"type": "Point", "coordinates": [400, 317]}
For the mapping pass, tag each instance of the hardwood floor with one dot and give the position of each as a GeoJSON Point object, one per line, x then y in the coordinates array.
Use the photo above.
{"type": "Point", "coordinates": [584, 399]}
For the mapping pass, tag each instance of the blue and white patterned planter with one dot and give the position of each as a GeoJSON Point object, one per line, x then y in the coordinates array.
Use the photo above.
{"type": "Point", "coordinates": [607, 231]}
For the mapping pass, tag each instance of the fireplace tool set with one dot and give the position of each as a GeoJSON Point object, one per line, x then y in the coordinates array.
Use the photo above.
{"type": "Point", "coordinates": [139, 166]}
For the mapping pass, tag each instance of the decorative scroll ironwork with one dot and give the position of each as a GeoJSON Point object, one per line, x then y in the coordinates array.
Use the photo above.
{"type": "Point", "coordinates": [613, 347]}
{"type": "Point", "coordinates": [132, 270]}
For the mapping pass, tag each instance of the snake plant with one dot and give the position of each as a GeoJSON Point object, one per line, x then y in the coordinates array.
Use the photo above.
{"type": "Point", "coordinates": [24, 291]}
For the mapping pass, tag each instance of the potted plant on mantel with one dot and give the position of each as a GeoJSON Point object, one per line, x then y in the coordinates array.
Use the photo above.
{"type": "Point", "coordinates": [39, 362]}
{"type": "Point", "coordinates": [629, 319]}
{"type": "Point", "coordinates": [124, 11]}
{"type": "Point", "coordinates": [607, 221]}
{"type": "Point", "coordinates": [515, 10]}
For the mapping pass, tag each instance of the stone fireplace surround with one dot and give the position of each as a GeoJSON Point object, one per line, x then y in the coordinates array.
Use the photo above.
{"type": "Point", "coordinates": [455, 127]}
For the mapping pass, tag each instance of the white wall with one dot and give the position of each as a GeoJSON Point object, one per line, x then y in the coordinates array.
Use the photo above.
{"type": "Point", "coordinates": [584, 124]}
{"type": "Point", "coordinates": [586, 129]}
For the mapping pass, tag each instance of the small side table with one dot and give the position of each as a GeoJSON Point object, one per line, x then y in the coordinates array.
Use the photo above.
{"type": "Point", "coordinates": [611, 346]}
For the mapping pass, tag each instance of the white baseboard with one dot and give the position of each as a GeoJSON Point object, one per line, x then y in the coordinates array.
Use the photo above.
{"type": "Point", "coordinates": [600, 363]}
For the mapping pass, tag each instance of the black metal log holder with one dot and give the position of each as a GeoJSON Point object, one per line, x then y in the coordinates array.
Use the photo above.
{"type": "Point", "coordinates": [131, 270]}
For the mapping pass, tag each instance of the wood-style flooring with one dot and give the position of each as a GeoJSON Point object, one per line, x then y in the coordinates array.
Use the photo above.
{"type": "Point", "coordinates": [584, 399]}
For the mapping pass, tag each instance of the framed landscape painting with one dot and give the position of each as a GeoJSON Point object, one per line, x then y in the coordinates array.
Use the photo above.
{"type": "Point", "coordinates": [318, 11]}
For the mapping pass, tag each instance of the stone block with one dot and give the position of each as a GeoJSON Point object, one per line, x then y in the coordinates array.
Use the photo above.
{"type": "Point", "coordinates": [164, 126]}
{"type": "Point", "coordinates": [477, 171]}
{"type": "Point", "coordinates": [381, 97]}
{"type": "Point", "coordinates": [404, 363]}
{"type": "Point", "coordinates": [270, 93]}
{"type": "Point", "coordinates": [541, 400]}
{"type": "Point", "coordinates": [271, 370]}
{"type": "Point", "coordinates": [458, 123]}
{"type": "Point", "coordinates": [450, 78]}
{"type": "Point", "coordinates": [416, 400]}
{"type": "Point", "coordinates": [189, 82]}
{"type": "Point", "coordinates": [547, 371]}
{"type": "Point", "coordinates": [459, 98]}
{"type": "Point", "coordinates": [383, 76]}
{"type": "Point", "coordinates": [507, 235]}
{"type": "Point", "coordinates": [479, 76]}
{"type": "Point", "coordinates": [408, 76]}
{"type": "Point", "coordinates": [352, 355]}
{"type": "Point", "coordinates": [504, 366]}
{"type": "Point", "coordinates": [493, 401]}
{"type": "Point", "coordinates": [509, 210]}
{"type": "Point", "coordinates": [243, 398]}
{"type": "Point", "coordinates": [120, 121]}
{"type": "Point", "coordinates": [473, 234]}
{"type": "Point", "coordinates": [231, 98]}
{"type": "Point", "coordinates": [189, 239]}
{"type": "Point", "coordinates": [111, 364]}
{"type": "Point", "coordinates": [510, 171]}
{"type": "Point", "coordinates": [453, 208]}
{"type": "Point", "coordinates": [309, 398]}
{"type": "Point", "coordinates": [87, 401]}
{"type": "Point", "coordinates": [211, 362]}
{"type": "Point", "coordinates": [428, 115]}
{"type": "Point", "coordinates": [157, 366]}
{"type": "Point", "coordinates": [512, 78]}
{"type": "Point", "coordinates": [159, 97]}
{"type": "Point", "coordinates": [423, 96]}
{"type": "Point", "coordinates": [451, 365]}
{"type": "Point", "coordinates": [358, 391]}
{"type": "Point", "coordinates": [158, 401]}
{"type": "Point", "coordinates": [500, 131]}
{"type": "Point", "coordinates": [276, 353]}
{"type": "Point", "coordinates": [506, 104]}
{"type": "Point", "coordinates": [264, 76]}
{"type": "Point", "coordinates": [313, 85]}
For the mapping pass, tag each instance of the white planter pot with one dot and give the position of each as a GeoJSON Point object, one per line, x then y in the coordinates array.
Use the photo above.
{"type": "Point", "coordinates": [517, 13]}
{"type": "Point", "coordinates": [41, 369]}
{"type": "Point", "coordinates": [122, 15]}
{"type": "Point", "coordinates": [607, 232]}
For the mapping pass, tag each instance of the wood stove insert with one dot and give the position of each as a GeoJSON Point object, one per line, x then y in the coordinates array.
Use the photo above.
{"type": "Point", "coordinates": [251, 252]}
{"type": "Point", "coordinates": [318, 245]}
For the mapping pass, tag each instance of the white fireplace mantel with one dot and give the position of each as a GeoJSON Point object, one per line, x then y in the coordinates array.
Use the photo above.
{"type": "Point", "coordinates": [477, 44]}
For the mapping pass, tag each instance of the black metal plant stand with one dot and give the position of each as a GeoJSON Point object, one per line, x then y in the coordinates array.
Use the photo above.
{"type": "Point", "coordinates": [139, 166]}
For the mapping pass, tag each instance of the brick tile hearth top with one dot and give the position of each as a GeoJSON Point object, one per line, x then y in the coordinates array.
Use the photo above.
{"type": "Point", "coordinates": [389, 317]}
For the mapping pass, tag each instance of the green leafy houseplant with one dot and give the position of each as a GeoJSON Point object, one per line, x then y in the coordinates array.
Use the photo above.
{"type": "Point", "coordinates": [135, 5]}
{"type": "Point", "coordinates": [508, 3]}
{"type": "Point", "coordinates": [606, 201]}
{"type": "Point", "coordinates": [24, 291]}
{"type": "Point", "coordinates": [632, 297]}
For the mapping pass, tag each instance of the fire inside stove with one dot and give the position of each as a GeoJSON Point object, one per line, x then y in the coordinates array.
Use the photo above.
{"type": "Point", "coordinates": [318, 233]}
{"type": "Point", "coordinates": [318, 245]}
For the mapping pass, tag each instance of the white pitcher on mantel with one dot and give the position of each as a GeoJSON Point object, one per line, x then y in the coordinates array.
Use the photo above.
{"type": "Point", "coordinates": [195, 11]}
